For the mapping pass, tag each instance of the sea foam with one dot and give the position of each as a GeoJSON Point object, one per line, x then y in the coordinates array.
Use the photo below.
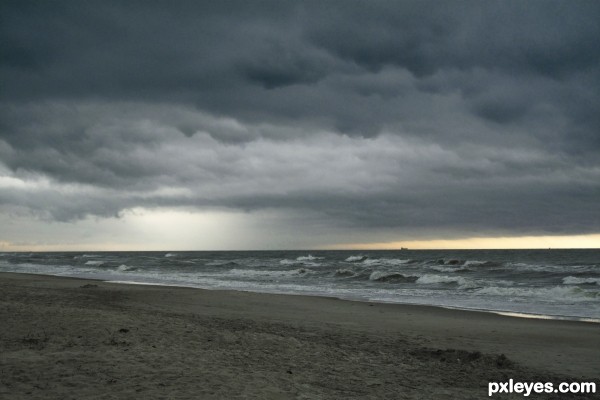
{"type": "Point", "coordinates": [546, 293]}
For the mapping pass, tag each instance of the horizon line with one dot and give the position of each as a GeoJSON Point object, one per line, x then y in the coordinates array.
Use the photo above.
{"type": "Point", "coordinates": [303, 250]}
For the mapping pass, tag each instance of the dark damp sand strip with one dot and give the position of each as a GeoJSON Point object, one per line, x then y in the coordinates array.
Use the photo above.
{"type": "Point", "coordinates": [74, 338]}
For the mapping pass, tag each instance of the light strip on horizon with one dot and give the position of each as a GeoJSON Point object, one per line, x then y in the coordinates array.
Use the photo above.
{"type": "Point", "coordinates": [517, 242]}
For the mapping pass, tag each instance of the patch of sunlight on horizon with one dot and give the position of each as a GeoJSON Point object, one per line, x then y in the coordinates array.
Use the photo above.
{"type": "Point", "coordinates": [590, 241]}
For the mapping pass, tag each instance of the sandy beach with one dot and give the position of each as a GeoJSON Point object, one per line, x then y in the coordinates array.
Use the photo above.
{"type": "Point", "coordinates": [64, 338]}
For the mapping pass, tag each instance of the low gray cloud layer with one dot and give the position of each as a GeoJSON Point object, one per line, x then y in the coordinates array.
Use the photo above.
{"type": "Point", "coordinates": [441, 117]}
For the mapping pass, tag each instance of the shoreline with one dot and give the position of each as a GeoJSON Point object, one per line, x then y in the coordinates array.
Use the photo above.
{"type": "Point", "coordinates": [223, 344]}
{"type": "Point", "coordinates": [511, 314]}
{"type": "Point", "coordinates": [507, 313]}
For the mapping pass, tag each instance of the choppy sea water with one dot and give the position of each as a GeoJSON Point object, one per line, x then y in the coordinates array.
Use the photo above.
{"type": "Point", "coordinates": [557, 283]}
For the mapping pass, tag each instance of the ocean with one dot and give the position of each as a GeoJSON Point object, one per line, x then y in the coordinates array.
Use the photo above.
{"type": "Point", "coordinates": [536, 283]}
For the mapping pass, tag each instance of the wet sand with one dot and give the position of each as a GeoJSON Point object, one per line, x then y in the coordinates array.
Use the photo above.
{"type": "Point", "coordinates": [63, 338]}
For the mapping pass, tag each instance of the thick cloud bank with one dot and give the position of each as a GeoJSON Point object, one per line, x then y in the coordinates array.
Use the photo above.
{"type": "Point", "coordinates": [453, 117]}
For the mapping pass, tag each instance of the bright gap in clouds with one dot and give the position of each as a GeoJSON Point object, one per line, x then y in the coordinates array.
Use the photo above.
{"type": "Point", "coordinates": [137, 229]}
{"type": "Point", "coordinates": [143, 229]}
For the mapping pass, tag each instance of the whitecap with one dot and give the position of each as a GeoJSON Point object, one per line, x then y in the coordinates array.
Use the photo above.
{"type": "Point", "coordinates": [449, 269]}
{"type": "Point", "coordinates": [123, 268]}
{"type": "Point", "coordinates": [474, 263]}
{"type": "Point", "coordinates": [386, 261]}
{"type": "Point", "coordinates": [308, 258]}
{"type": "Point", "coordinates": [94, 262]}
{"type": "Point", "coordinates": [356, 258]}
{"type": "Point", "coordinates": [573, 280]}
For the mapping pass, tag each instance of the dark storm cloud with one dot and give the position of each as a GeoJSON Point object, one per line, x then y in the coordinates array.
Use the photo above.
{"type": "Point", "coordinates": [466, 116]}
{"type": "Point", "coordinates": [553, 38]}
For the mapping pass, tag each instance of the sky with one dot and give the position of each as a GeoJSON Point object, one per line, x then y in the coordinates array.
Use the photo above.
{"type": "Point", "coordinates": [202, 125]}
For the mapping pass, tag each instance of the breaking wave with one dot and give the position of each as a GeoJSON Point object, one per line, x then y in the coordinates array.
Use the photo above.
{"type": "Point", "coordinates": [356, 258]}
{"type": "Point", "coordinates": [474, 263]}
{"type": "Point", "coordinates": [344, 272]}
{"type": "Point", "coordinates": [380, 276]}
